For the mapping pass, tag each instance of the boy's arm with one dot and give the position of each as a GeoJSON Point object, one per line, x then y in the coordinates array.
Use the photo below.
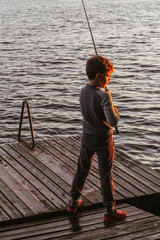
{"type": "Point", "coordinates": [111, 112]}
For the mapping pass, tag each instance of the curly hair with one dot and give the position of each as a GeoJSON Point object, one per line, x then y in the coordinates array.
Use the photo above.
{"type": "Point", "coordinates": [98, 64]}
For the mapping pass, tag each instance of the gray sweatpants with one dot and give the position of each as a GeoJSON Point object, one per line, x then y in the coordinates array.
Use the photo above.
{"type": "Point", "coordinates": [104, 147]}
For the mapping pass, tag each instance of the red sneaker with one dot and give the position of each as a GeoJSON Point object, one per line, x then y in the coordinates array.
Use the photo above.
{"type": "Point", "coordinates": [72, 207]}
{"type": "Point", "coordinates": [117, 215]}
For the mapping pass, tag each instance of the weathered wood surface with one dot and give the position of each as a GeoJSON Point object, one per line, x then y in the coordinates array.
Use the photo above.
{"type": "Point", "coordinates": [38, 181]}
{"type": "Point", "coordinates": [88, 225]}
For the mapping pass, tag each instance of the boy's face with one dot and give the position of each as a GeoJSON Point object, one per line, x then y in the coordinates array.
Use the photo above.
{"type": "Point", "coordinates": [103, 79]}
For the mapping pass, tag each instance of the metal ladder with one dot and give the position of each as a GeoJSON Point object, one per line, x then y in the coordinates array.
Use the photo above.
{"type": "Point", "coordinates": [31, 125]}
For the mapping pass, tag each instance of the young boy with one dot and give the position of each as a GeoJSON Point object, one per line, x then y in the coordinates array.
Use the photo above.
{"type": "Point", "coordinates": [99, 117]}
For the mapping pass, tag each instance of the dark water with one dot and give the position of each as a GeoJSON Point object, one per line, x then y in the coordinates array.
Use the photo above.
{"type": "Point", "coordinates": [43, 50]}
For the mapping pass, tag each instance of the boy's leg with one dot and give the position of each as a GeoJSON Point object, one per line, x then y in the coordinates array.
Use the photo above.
{"type": "Point", "coordinates": [105, 160]}
{"type": "Point", "coordinates": [105, 157]}
{"type": "Point", "coordinates": [83, 168]}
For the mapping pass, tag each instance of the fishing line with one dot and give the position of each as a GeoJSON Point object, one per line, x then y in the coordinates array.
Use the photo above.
{"type": "Point", "coordinates": [116, 128]}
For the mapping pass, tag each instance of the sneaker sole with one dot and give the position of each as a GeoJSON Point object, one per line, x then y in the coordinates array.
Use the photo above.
{"type": "Point", "coordinates": [116, 216]}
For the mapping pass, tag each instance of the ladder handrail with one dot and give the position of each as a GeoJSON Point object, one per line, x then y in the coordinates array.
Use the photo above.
{"type": "Point", "coordinates": [31, 125]}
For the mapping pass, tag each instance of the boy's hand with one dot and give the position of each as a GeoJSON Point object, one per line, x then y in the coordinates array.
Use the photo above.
{"type": "Point", "coordinates": [107, 90]}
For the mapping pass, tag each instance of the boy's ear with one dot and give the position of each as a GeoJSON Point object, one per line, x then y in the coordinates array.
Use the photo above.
{"type": "Point", "coordinates": [98, 75]}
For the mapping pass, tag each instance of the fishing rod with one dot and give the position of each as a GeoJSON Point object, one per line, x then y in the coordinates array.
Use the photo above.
{"type": "Point", "coordinates": [89, 28]}
{"type": "Point", "coordinates": [116, 128]}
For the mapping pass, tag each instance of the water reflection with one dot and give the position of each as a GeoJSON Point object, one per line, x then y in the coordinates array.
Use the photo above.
{"type": "Point", "coordinates": [74, 221]}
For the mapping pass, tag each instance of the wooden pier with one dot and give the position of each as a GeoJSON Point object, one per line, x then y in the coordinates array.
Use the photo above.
{"type": "Point", "coordinates": [88, 224]}
{"type": "Point", "coordinates": [36, 184]}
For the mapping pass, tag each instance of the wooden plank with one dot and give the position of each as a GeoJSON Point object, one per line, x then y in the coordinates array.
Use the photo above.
{"type": "Point", "coordinates": [43, 187]}
{"type": "Point", "coordinates": [60, 170]}
{"type": "Point", "coordinates": [129, 183]}
{"type": "Point", "coordinates": [57, 222]}
{"type": "Point", "coordinates": [9, 208]}
{"type": "Point", "coordinates": [94, 170]}
{"type": "Point", "coordinates": [125, 231]}
{"type": "Point", "coordinates": [125, 190]}
{"type": "Point", "coordinates": [69, 144]}
{"type": "Point", "coordinates": [146, 232]}
{"type": "Point", "coordinates": [3, 215]}
{"type": "Point", "coordinates": [15, 200]}
{"type": "Point", "coordinates": [22, 193]}
{"type": "Point", "coordinates": [71, 160]}
{"type": "Point", "coordinates": [89, 225]}
{"type": "Point", "coordinates": [132, 181]}
{"type": "Point", "coordinates": [25, 184]}
{"type": "Point", "coordinates": [96, 229]}
{"type": "Point", "coordinates": [153, 179]}
{"type": "Point", "coordinates": [65, 217]}
{"type": "Point", "coordinates": [120, 192]}
{"type": "Point", "coordinates": [153, 236]}
{"type": "Point", "coordinates": [132, 162]}
{"type": "Point", "coordinates": [46, 174]}
{"type": "Point", "coordinates": [145, 170]}
{"type": "Point", "coordinates": [139, 179]}
{"type": "Point", "coordinates": [91, 185]}
{"type": "Point", "coordinates": [147, 183]}
{"type": "Point", "coordinates": [70, 150]}
{"type": "Point", "coordinates": [140, 168]}
{"type": "Point", "coordinates": [63, 171]}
